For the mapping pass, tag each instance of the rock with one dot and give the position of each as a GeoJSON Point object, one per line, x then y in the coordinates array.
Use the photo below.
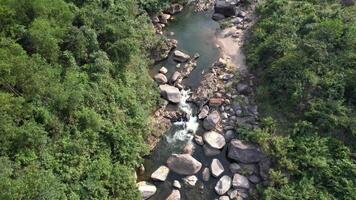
{"type": "Point", "coordinates": [206, 174]}
{"type": "Point", "coordinates": [218, 16]}
{"type": "Point", "coordinates": [180, 56]}
{"type": "Point", "coordinates": [248, 169]}
{"type": "Point", "coordinates": [190, 180]}
{"type": "Point", "coordinates": [232, 194]}
{"type": "Point", "coordinates": [224, 198]}
{"type": "Point", "coordinates": [216, 168]}
{"type": "Point", "coordinates": [243, 89]}
{"type": "Point", "coordinates": [160, 174]}
{"type": "Point", "coordinates": [155, 19]}
{"type": "Point", "coordinates": [225, 7]}
{"type": "Point", "coordinates": [176, 184]}
{"type": "Point", "coordinates": [216, 101]}
{"type": "Point", "coordinates": [175, 76]}
{"type": "Point", "coordinates": [242, 14]}
{"type": "Point", "coordinates": [199, 140]}
{"type": "Point", "coordinates": [146, 189]}
{"type": "Point", "coordinates": [183, 164]}
{"type": "Point", "coordinates": [226, 77]}
{"type": "Point", "coordinates": [223, 185]}
{"type": "Point", "coordinates": [163, 18]}
{"type": "Point", "coordinates": [189, 148]}
{"type": "Point", "coordinates": [264, 166]}
{"type": "Point", "coordinates": [214, 139]}
{"type": "Point", "coordinates": [210, 151]}
{"type": "Point", "coordinates": [204, 112]}
{"type": "Point", "coordinates": [254, 179]}
{"type": "Point", "coordinates": [234, 167]}
{"type": "Point", "coordinates": [174, 9]}
{"type": "Point", "coordinates": [141, 169]}
{"type": "Point", "coordinates": [175, 195]}
{"type": "Point", "coordinates": [160, 78]}
{"type": "Point", "coordinates": [224, 115]}
{"type": "Point", "coordinates": [163, 70]}
{"type": "Point", "coordinates": [229, 135]}
{"type": "Point", "coordinates": [240, 181]}
{"type": "Point", "coordinates": [245, 153]}
{"type": "Point", "coordinates": [170, 93]}
{"type": "Point", "coordinates": [211, 120]}
{"type": "Point", "coordinates": [196, 56]}
{"type": "Point", "coordinates": [237, 20]}
{"type": "Point", "coordinates": [221, 62]}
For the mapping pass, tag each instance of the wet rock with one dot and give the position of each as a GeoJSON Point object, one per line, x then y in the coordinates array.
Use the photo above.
{"type": "Point", "coordinates": [206, 174]}
{"type": "Point", "coordinates": [183, 164]}
{"type": "Point", "coordinates": [218, 16]}
{"type": "Point", "coordinates": [146, 189]}
{"type": "Point", "coordinates": [216, 168]}
{"type": "Point", "coordinates": [204, 112]}
{"type": "Point", "coordinates": [229, 135]}
{"type": "Point", "coordinates": [211, 120]}
{"type": "Point", "coordinates": [176, 75]}
{"type": "Point", "coordinates": [245, 153]}
{"type": "Point", "coordinates": [170, 93]}
{"type": "Point", "coordinates": [176, 184]}
{"type": "Point", "coordinates": [199, 140]}
{"type": "Point", "coordinates": [234, 167]}
{"type": "Point", "coordinates": [160, 174]}
{"type": "Point", "coordinates": [224, 198]}
{"type": "Point", "coordinates": [179, 56]}
{"type": "Point", "coordinates": [223, 185]}
{"type": "Point", "coordinates": [174, 9]}
{"type": "Point", "coordinates": [225, 7]}
{"type": "Point", "coordinates": [175, 195]}
{"type": "Point", "coordinates": [163, 70]}
{"type": "Point", "coordinates": [190, 180]}
{"type": "Point", "coordinates": [210, 151]}
{"type": "Point", "coordinates": [254, 179]}
{"type": "Point", "coordinates": [240, 181]}
{"type": "Point", "coordinates": [216, 101]}
{"type": "Point", "coordinates": [160, 78]}
{"type": "Point", "coordinates": [214, 139]}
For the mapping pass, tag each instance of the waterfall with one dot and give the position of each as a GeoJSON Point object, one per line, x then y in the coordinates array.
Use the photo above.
{"type": "Point", "coordinates": [187, 128]}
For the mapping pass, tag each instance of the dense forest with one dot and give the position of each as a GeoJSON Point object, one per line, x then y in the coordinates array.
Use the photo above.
{"type": "Point", "coordinates": [75, 97]}
{"type": "Point", "coordinates": [304, 56]}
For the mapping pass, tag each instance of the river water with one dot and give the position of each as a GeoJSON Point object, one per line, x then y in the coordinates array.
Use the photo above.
{"type": "Point", "coordinates": [196, 33]}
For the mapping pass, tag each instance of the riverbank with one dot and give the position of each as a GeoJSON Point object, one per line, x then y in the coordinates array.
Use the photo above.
{"type": "Point", "coordinates": [211, 163]}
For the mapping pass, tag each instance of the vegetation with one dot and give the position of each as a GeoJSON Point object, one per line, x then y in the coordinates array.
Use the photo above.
{"type": "Point", "coordinates": [304, 54]}
{"type": "Point", "coordinates": [75, 96]}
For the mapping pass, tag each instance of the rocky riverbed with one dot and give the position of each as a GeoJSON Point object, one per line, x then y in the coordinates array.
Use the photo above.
{"type": "Point", "coordinates": [203, 159]}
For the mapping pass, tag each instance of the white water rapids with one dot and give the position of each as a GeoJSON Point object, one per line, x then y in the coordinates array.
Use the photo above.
{"type": "Point", "coordinates": [188, 128]}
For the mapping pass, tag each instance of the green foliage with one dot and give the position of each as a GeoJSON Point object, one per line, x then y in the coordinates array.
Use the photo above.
{"type": "Point", "coordinates": [75, 97]}
{"type": "Point", "coordinates": [305, 53]}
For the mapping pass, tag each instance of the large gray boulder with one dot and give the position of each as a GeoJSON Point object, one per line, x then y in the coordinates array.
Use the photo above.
{"type": "Point", "coordinates": [240, 181]}
{"type": "Point", "coordinates": [183, 164]}
{"type": "Point", "coordinates": [170, 93]}
{"type": "Point", "coordinates": [223, 185]}
{"type": "Point", "coordinates": [160, 174]}
{"type": "Point", "coordinates": [179, 56]}
{"type": "Point", "coordinates": [160, 78]}
{"type": "Point", "coordinates": [146, 189]}
{"type": "Point", "coordinates": [214, 139]}
{"type": "Point", "coordinates": [225, 7]}
{"type": "Point", "coordinates": [211, 120]}
{"type": "Point", "coordinates": [245, 153]}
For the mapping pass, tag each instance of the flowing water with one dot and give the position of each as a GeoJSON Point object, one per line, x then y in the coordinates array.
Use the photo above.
{"type": "Point", "coordinates": [196, 33]}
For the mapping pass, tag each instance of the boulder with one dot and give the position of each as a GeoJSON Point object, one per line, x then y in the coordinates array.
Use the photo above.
{"type": "Point", "coordinates": [176, 184]}
{"type": "Point", "coordinates": [174, 9]}
{"type": "Point", "coordinates": [211, 120]}
{"type": "Point", "coordinates": [160, 78]}
{"type": "Point", "coordinates": [254, 179]}
{"type": "Point", "coordinates": [245, 153]}
{"type": "Point", "coordinates": [163, 70]}
{"type": "Point", "coordinates": [223, 185]}
{"type": "Point", "coordinates": [210, 151]}
{"type": "Point", "coordinates": [160, 174]}
{"type": "Point", "coordinates": [146, 189]}
{"type": "Point", "coordinates": [264, 166]}
{"type": "Point", "coordinates": [234, 167]}
{"type": "Point", "coordinates": [240, 181]}
{"type": "Point", "coordinates": [183, 164]}
{"type": "Point", "coordinates": [204, 112]}
{"type": "Point", "coordinates": [175, 76]}
{"type": "Point", "coordinates": [163, 18]}
{"type": "Point", "coordinates": [188, 148]}
{"type": "Point", "coordinates": [225, 7]}
{"type": "Point", "coordinates": [229, 135]}
{"type": "Point", "coordinates": [175, 195]}
{"type": "Point", "coordinates": [199, 140]}
{"type": "Point", "coordinates": [180, 56]}
{"type": "Point", "coordinates": [216, 168]}
{"type": "Point", "coordinates": [190, 180]}
{"type": "Point", "coordinates": [214, 139]}
{"type": "Point", "coordinates": [170, 93]}
{"type": "Point", "coordinates": [206, 174]}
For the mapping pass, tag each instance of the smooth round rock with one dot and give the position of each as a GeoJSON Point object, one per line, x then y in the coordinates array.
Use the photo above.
{"type": "Point", "coordinates": [146, 189]}
{"type": "Point", "coordinates": [223, 185]}
{"type": "Point", "coordinates": [160, 174]}
{"type": "Point", "coordinates": [214, 139]}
